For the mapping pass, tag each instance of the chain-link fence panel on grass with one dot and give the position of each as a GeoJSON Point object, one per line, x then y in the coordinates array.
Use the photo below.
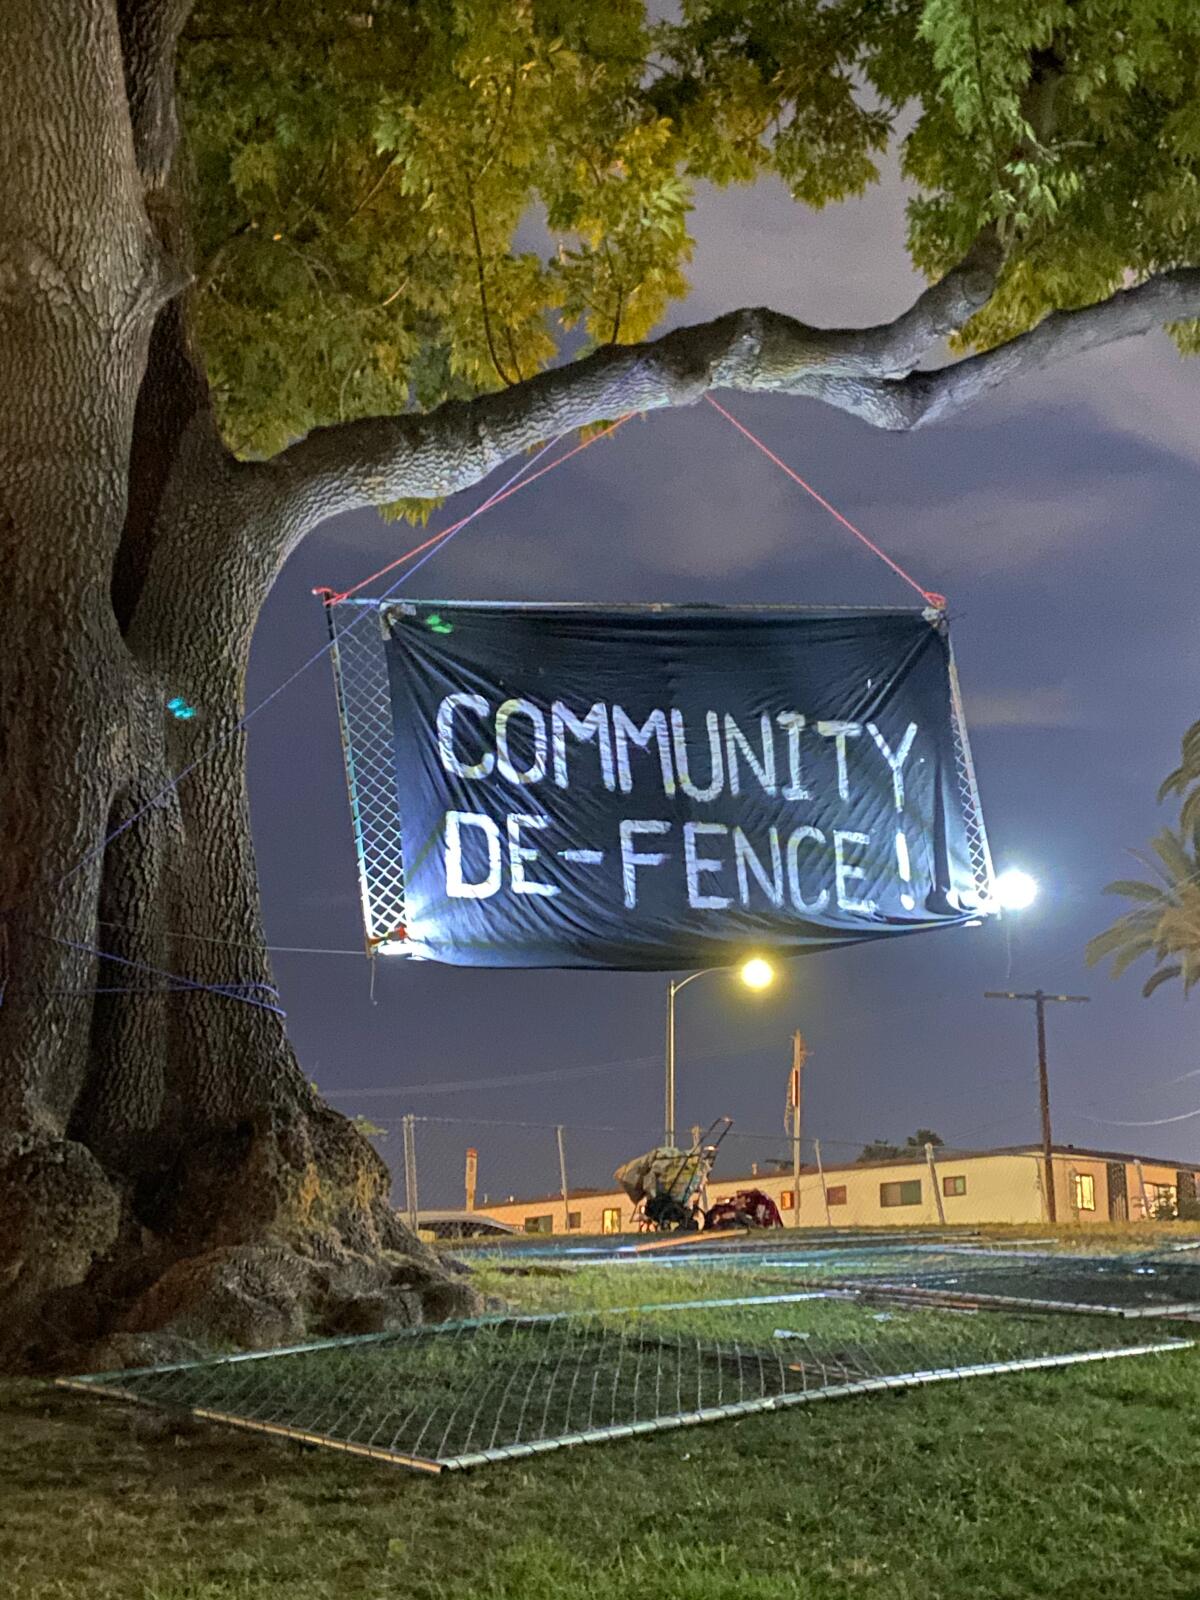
{"type": "Point", "coordinates": [1128, 1285]}
{"type": "Point", "coordinates": [904, 1268]}
{"type": "Point", "coordinates": [464, 1394]}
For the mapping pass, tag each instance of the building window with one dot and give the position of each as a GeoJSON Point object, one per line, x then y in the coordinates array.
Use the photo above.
{"type": "Point", "coordinates": [610, 1220]}
{"type": "Point", "coordinates": [907, 1193]}
{"type": "Point", "coordinates": [1162, 1202]}
{"type": "Point", "coordinates": [835, 1195]}
{"type": "Point", "coordinates": [954, 1185]}
{"type": "Point", "coordinates": [1084, 1191]}
{"type": "Point", "coordinates": [787, 1199]}
{"type": "Point", "coordinates": [575, 1220]}
{"type": "Point", "coordinates": [539, 1224]}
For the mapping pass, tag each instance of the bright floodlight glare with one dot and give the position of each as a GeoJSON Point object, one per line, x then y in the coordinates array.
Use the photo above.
{"type": "Point", "coordinates": [1015, 890]}
{"type": "Point", "coordinates": [757, 973]}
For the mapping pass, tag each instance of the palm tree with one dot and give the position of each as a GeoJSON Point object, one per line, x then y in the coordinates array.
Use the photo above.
{"type": "Point", "coordinates": [1186, 777]}
{"type": "Point", "coordinates": [1165, 920]}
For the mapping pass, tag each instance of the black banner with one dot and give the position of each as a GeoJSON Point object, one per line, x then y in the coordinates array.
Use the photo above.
{"type": "Point", "coordinates": [670, 787]}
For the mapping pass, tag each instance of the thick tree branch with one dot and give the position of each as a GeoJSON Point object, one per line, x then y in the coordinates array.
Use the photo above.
{"type": "Point", "coordinates": [378, 459]}
{"type": "Point", "coordinates": [895, 347]}
{"type": "Point", "coordinates": [925, 397]}
{"type": "Point", "coordinates": [866, 372]}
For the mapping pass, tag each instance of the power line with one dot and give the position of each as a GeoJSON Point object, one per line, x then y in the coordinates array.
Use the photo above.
{"type": "Point", "coordinates": [398, 1091]}
{"type": "Point", "coordinates": [1157, 1122]}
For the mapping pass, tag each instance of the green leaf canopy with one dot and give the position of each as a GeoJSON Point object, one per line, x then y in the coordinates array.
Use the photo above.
{"type": "Point", "coordinates": [397, 202]}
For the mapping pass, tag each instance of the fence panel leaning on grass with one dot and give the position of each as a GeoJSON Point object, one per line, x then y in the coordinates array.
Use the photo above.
{"type": "Point", "coordinates": [460, 1395]}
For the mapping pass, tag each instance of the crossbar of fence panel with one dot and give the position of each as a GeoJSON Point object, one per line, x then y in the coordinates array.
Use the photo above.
{"type": "Point", "coordinates": [98, 1382]}
{"type": "Point", "coordinates": [780, 1402]}
{"type": "Point", "coordinates": [934, 1297]}
{"type": "Point", "coordinates": [279, 1430]}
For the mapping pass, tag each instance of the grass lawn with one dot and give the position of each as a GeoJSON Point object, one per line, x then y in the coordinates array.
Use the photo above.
{"type": "Point", "coordinates": [1074, 1483]}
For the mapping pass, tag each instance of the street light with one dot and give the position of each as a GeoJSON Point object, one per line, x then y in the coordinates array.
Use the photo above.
{"type": "Point", "coordinates": [756, 973]}
{"type": "Point", "coordinates": [1015, 890]}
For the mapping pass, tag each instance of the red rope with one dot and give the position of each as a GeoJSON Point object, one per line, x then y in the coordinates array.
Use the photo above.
{"type": "Point", "coordinates": [930, 596]}
{"type": "Point", "coordinates": [334, 597]}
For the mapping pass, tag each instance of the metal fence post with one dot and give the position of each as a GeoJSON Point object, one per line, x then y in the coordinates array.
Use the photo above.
{"type": "Point", "coordinates": [937, 1188]}
{"type": "Point", "coordinates": [410, 1171]}
{"type": "Point", "coordinates": [562, 1178]}
{"type": "Point", "coordinates": [821, 1176]}
{"type": "Point", "coordinates": [799, 1052]}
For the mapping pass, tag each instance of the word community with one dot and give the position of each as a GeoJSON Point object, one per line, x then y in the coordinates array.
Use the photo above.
{"type": "Point", "coordinates": [785, 757]}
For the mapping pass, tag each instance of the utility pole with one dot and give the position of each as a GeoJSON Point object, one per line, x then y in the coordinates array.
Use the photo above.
{"type": "Point", "coordinates": [799, 1054]}
{"type": "Point", "coordinates": [1039, 998]}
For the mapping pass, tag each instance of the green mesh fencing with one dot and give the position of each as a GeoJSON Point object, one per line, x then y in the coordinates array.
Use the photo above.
{"type": "Point", "coordinates": [462, 1394]}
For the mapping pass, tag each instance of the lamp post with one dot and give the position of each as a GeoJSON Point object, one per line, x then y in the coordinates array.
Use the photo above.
{"type": "Point", "coordinates": [754, 973]}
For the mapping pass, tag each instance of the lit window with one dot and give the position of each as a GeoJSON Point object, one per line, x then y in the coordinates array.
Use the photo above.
{"type": "Point", "coordinates": [1084, 1186]}
{"type": "Point", "coordinates": [787, 1199]}
{"type": "Point", "coordinates": [539, 1224]}
{"type": "Point", "coordinates": [575, 1219]}
{"type": "Point", "coordinates": [907, 1193]}
{"type": "Point", "coordinates": [836, 1195]}
{"type": "Point", "coordinates": [610, 1220]}
{"type": "Point", "coordinates": [954, 1185]}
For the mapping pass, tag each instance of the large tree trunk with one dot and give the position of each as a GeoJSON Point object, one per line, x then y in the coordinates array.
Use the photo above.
{"type": "Point", "coordinates": [165, 1170]}
{"type": "Point", "coordinates": [164, 1167]}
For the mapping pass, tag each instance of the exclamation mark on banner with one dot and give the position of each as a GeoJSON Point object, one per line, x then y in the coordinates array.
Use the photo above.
{"type": "Point", "coordinates": [902, 861]}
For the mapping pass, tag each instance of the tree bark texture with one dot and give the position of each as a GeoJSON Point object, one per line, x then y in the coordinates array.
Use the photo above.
{"type": "Point", "coordinates": [165, 1170]}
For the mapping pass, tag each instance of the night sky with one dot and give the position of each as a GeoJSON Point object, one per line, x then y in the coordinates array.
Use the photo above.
{"type": "Point", "coordinates": [1059, 518]}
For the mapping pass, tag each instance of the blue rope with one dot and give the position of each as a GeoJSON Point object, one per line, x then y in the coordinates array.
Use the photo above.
{"type": "Point", "coordinates": [228, 991]}
{"type": "Point", "coordinates": [157, 991]}
{"type": "Point", "coordinates": [302, 668]}
{"type": "Point", "coordinates": [234, 992]}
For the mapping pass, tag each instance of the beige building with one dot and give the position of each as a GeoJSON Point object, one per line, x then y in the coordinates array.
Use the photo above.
{"type": "Point", "coordinates": [977, 1186]}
